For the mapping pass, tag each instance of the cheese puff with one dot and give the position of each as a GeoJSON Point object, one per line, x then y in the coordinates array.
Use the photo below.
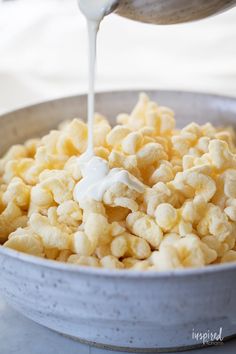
{"type": "Point", "coordinates": [213, 243]}
{"type": "Point", "coordinates": [167, 120]}
{"type": "Point", "coordinates": [81, 244]}
{"type": "Point", "coordinates": [19, 168]}
{"type": "Point", "coordinates": [190, 252]}
{"type": "Point", "coordinates": [148, 139]}
{"type": "Point", "coordinates": [164, 173]}
{"type": "Point", "coordinates": [141, 265]}
{"type": "Point", "coordinates": [102, 152]}
{"type": "Point", "coordinates": [145, 227]}
{"type": "Point", "coordinates": [230, 240]}
{"type": "Point", "coordinates": [129, 262]}
{"type": "Point", "coordinates": [99, 118]}
{"type": "Point", "coordinates": [11, 218]}
{"type": "Point", "coordinates": [230, 211]}
{"type": "Point", "coordinates": [29, 170]}
{"type": "Point", "coordinates": [188, 162]}
{"type": "Point", "coordinates": [184, 228]}
{"type": "Point", "coordinates": [132, 143]}
{"type": "Point", "coordinates": [179, 184]}
{"type": "Point", "coordinates": [101, 131]}
{"type": "Point", "coordinates": [137, 117]}
{"type": "Point", "coordinates": [220, 155]}
{"type": "Point", "coordinates": [120, 194]}
{"type": "Point", "coordinates": [166, 216]}
{"type": "Point", "coordinates": [230, 202]}
{"type": "Point", "coordinates": [111, 262]}
{"type": "Point", "coordinates": [214, 222]}
{"type": "Point", "coordinates": [129, 163]}
{"type": "Point", "coordinates": [228, 136]}
{"type": "Point", "coordinates": [31, 146]}
{"type": "Point", "coordinates": [116, 135]}
{"type": "Point", "coordinates": [41, 197]}
{"type": "Point", "coordinates": [73, 167]}
{"type": "Point", "coordinates": [203, 144]}
{"type": "Point", "coordinates": [63, 124]}
{"type": "Point", "coordinates": [63, 255]}
{"type": "Point", "coordinates": [193, 210]}
{"type": "Point", "coordinates": [122, 118]}
{"type": "Point", "coordinates": [125, 203]}
{"type": "Point", "coordinates": [169, 239]}
{"type": "Point", "coordinates": [193, 128]}
{"type": "Point", "coordinates": [97, 229]}
{"type": "Point", "coordinates": [147, 131]}
{"type": "Point", "coordinates": [119, 246]}
{"type": "Point", "coordinates": [219, 197]}
{"type": "Point", "coordinates": [182, 143]}
{"type": "Point", "coordinates": [59, 183]}
{"type": "Point", "coordinates": [54, 220]}
{"type": "Point", "coordinates": [51, 253]}
{"type": "Point", "coordinates": [18, 192]}
{"type": "Point", "coordinates": [166, 259]}
{"type": "Point", "coordinates": [229, 256]}
{"type": "Point", "coordinates": [160, 193]}
{"type": "Point", "coordinates": [150, 154]}
{"type": "Point", "coordinates": [153, 117]}
{"type": "Point", "coordinates": [173, 197]}
{"type": "Point", "coordinates": [165, 142]}
{"type": "Point", "coordinates": [69, 213]}
{"type": "Point", "coordinates": [176, 162]}
{"type": "Point", "coordinates": [52, 236]}
{"type": "Point", "coordinates": [24, 240]}
{"type": "Point", "coordinates": [130, 245]}
{"type": "Point", "coordinates": [138, 247]}
{"type": "Point", "coordinates": [210, 255]}
{"type": "Point", "coordinates": [92, 206]}
{"type": "Point", "coordinates": [230, 183]}
{"type": "Point", "coordinates": [49, 160]}
{"type": "Point", "coordinates": [73, 139]}
{"type": "Point", "coordinates": [3, 189]}
{"type": "Point", "coordinates": [49, 141]}
{"type": "Point", "coordinates": [195, 183]}
{"type": "Point", "coordinates": [117, 228]}
{"type": "Point", "coordinates": [88, 261]}
{"type": "Point", "coordinates": [77, 131]}
{"type": "Point", "coordinates": [208, 130]}
{"type": "Point", "coordinates": [65, 145]}
{"type": "Point", "coordinates": [15, 152]}
{"type": "Point", "coordinates": [116, 213]}
{"type": "Point", "coordinates": [103, 251]}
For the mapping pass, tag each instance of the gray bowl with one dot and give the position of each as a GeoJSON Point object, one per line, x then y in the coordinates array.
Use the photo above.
{"type": "Point", "coordinates": [121, 309]}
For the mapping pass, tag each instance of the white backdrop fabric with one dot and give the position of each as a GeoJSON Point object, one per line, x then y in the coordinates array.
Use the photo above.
{"type": "Point", "coordinates": [43, 53]}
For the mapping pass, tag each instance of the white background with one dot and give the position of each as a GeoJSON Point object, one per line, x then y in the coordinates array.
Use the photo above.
{"type": "Point", "coordinates": [43, 53]}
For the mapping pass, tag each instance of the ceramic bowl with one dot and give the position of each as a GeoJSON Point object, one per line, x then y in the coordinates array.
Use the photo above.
{"type": "Point", "coordinates": [120, 309]}
{"type": "Point", "coordinates": [166, 12]}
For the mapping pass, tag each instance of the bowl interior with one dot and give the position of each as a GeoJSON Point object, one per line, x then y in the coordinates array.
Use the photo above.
{"type": "Point", "coordinates": [34, 121]}
{"type": "Point", "coordinates": [37, 120]}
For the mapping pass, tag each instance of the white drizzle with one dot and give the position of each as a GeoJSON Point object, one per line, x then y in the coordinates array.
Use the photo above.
{"type": "Point", "coordinates": [97, 179]}
{"type": "Point", "coordinates": [94, 11]}
{"type": "Point", "coordinates": [96, 176]}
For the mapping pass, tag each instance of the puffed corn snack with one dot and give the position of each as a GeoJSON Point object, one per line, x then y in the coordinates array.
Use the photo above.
{"type": "Point", "coordinates": [184, 216]}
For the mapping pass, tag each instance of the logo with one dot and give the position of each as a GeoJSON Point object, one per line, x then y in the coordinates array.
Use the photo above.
{"type": "Point", "coordinates": [208, 337]}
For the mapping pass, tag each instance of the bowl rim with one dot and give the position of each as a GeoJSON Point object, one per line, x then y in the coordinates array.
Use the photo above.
{"type": "Point", "coordinates": [120, 273]}
{"type": "Point", "coordinates": [136, 91]}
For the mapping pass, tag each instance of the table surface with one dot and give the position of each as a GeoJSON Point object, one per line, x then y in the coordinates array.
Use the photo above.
{"type": "Point", "coordinates": [19, 335]}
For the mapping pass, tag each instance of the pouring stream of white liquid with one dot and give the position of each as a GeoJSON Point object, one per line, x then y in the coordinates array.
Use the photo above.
{"type": "Point", "coordinates": [94, 11]}
{"type": "Point", "coordinates": [96, 176]}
